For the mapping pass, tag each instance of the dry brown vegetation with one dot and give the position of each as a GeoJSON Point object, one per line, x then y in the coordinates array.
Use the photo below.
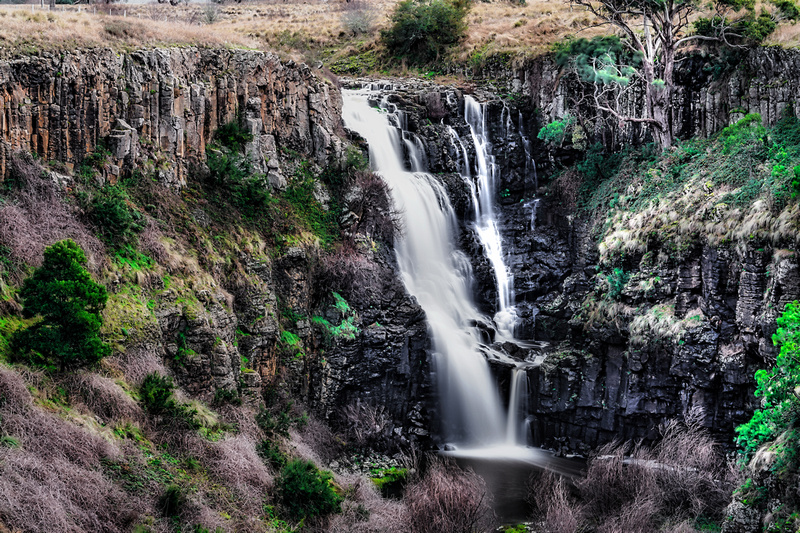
{"type": "Point", "coordinates": [634, 488]}
{"type": "Point", "coordinates": [310, 30]}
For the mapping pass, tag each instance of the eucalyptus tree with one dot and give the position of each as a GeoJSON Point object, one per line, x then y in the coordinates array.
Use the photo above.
{"type": "Point", "coordinates": [657, 31]}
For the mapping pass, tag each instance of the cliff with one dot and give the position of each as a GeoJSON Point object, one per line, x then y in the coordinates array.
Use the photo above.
{"type": "Point", "coordinates": [160, 107]}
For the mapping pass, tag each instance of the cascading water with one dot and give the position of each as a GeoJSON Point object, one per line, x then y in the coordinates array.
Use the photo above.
{"type": "Point", "coordinates": [483, 199]}
{"type": "Point", "coordinates": [438, 276]}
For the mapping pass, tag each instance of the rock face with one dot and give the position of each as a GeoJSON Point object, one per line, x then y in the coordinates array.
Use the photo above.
{"type": "Point", "coordinates": [710, 94]}
{"type": "Point", "coordinates": [159, 108]}
{"type": "Point", "coordinates": [681, 334]}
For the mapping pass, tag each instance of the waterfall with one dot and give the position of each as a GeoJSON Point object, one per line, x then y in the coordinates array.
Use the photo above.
{"type": "Point", "coordinates": [516, 424]}
{"type": "Point", "coordinates": [438, 275]}
{"type": "Point", "coordinates": [483, 198]}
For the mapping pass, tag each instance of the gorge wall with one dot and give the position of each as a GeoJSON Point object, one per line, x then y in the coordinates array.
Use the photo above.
{"type": "Point", "coordinates": [220, 324]}
{"type": "Point", "coordinates": [688, 329]}
{"type": "Point", "coordinates": [156, 110]}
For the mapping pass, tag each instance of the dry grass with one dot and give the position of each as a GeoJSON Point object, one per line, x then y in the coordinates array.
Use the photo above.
{"type": "Point", "coordinates": [637, 489]}
{"type": "Point", "coordinates": [50, 480]}
{"type": "Point", "coordinates": [448, 499]}
{"type": "Point", "coordinates": [301, 29]}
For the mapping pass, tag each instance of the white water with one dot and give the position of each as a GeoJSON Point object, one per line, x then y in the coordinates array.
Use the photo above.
{"type": "Point", "coordinates": [438, 275]}
{"type": "Point", "coordinates": [483, 198]}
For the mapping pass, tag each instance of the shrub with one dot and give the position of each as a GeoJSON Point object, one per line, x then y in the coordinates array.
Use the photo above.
{"type": "Point", "coordinates": [69, 302]}
{"type": "Point", "coordinates": [448, 500]}
{"type": "Point", "coordinates": [358, 18]}
{"type": "Point", "coordinates": [642, 489]}
{"type": "Point", "coordinates": [156, 393]}
{"type": "Point", "coordinates": [172, 501]}
{"type": "Point", "coordinates": [117, 222]}
{"type": "Point", "coordinates": [781, 407]}
{"type": "Point", "coordinates": [306, 492]}
{"type": "Point", "coordinates": [233, 180]}
{"type": "Point", "coordinates": [554, 133]}
{"type": "Point", "coordinates": [421, 30]}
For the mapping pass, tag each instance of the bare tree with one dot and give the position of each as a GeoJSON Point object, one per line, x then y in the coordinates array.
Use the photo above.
{"type": "Point", "coordinates": [656, 31]}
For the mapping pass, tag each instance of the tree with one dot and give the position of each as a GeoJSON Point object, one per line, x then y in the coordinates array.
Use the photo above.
{"type": "Point", "coordinates": [656, 31]}
{"type": "Point", "coordinates": [421, 30]}
{"type": "Point", "coordinates": [69, 302]}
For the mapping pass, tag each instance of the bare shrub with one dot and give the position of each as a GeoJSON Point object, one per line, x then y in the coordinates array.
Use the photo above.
{"type": "Point", "coordinates": [358, 17]}
{"type": "Point", "coordinates": [52, 481]}
{"type": "Point", "coordinates": [346, 268]}
{"type": "Point", "coordinates": [365, 511]}
{"type": "Point", "coordinates": [38, 494]}
{"type": "Point", "coordinates": [210, 13]}
{"type": "Point", "coordinates": [236, 464]}
{"type": "Point", "coordinates": [447, 499]}
{"type": "Point", "coordinates": [323, 444]}
{"type": "Point", "coordinates": [137, 362]}
{"type": "Point", "coordinates": [365, 425]}
{"type": "Point", "coordinates": [102, 396]}
{"type": "Point", "coordinates": [683, 476]}
{"type": "Point", "coordinates": [150, 243]}
{"type": "Point", "coordinates": [36, 217]}
{"type": "Point", "coordinates": [565, 189]}
{"type": "Point", "coordinates": [369, 199]}
{"type": "Point", "coordinates": [550, 497]}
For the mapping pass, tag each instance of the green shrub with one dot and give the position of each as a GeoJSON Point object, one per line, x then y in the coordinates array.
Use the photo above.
{"type": "Point", "coordinates": [172, 501]}
{"type": "Point", "coordinates": [271, 454]}
{"type": "Point", "coordinates": [616, 283]}
{"type": "Point", "coordinates": [777, 386]}
{"type": "Point", "coordinates": [420, 31]}
{"type": "Point", "coordinates": [232, 135]}
{"type": "Point", "coordinates": [555, 132]}
{"type": "Point", "coordinates": [233, 180]}
{"type": "Point", "coordinates": [156, 393]}
{"type": "Point", "coordinates": [306, 492]}
{"type": "Point", "coordinates": [69, 302]}
{"type": "Point", "coordinates": [111, 214]}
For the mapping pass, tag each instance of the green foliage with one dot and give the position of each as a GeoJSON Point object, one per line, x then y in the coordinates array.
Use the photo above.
{"type": "Point", "coordinates": [346, 328]}
{"type": "Point", "coordinates": [156, 393]}
{"type": "Point", "coordinates": [271, 454]}
{"type": "Point", "coordinates": [232, 179]}
{"type": "Point", "coordinates": [306, 492]}
{"type": "Point", "coordinates": [277, 421]}
{"type": "Point", "coordinates": [420, 31]}
{"type": "Point", "coordinates": [226, 396]}
{"type": "Point", "coordinates": [111, 213]}
{"type": "Point", "coordinates": [172, 501]}
{"type": "Point", "coordinates": [69, 302]}
{"type": "Point", "coordinates": [390, 481]}
{"type": "Point", "coordinates": [778, 387]}
{"type": "Point", "coordinates": [788, 9]}
{"type": "Point", "coordinates": [232, 135]}
{"type": "Point", "coordinates": [597, 60]}
{"type": "Point", "coordinates": [555, 132]}
{"type": "Point", "coordinates": [616, 283]}
{"type": "Point", "coordinates": [300, 195]}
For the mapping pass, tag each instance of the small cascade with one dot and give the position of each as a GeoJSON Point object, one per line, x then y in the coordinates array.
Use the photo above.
{"type": "Point", "coordinates": [483, 196]}
{"type": "Point", "coordinates": [530, 162]}
{"type": "Point", "coordinates": [517, 423]}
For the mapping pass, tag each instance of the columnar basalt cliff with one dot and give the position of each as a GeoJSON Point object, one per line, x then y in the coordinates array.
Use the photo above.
{"type": "Point", "coordinates": [711, 93]}
{"type": "Point", "coordinates": [163, 105]}
{"type": "Point", "coordinates": [219, 328]}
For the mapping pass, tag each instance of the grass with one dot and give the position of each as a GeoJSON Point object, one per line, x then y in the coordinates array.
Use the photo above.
{"type": "Point", "coordinates": [310, 30]}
